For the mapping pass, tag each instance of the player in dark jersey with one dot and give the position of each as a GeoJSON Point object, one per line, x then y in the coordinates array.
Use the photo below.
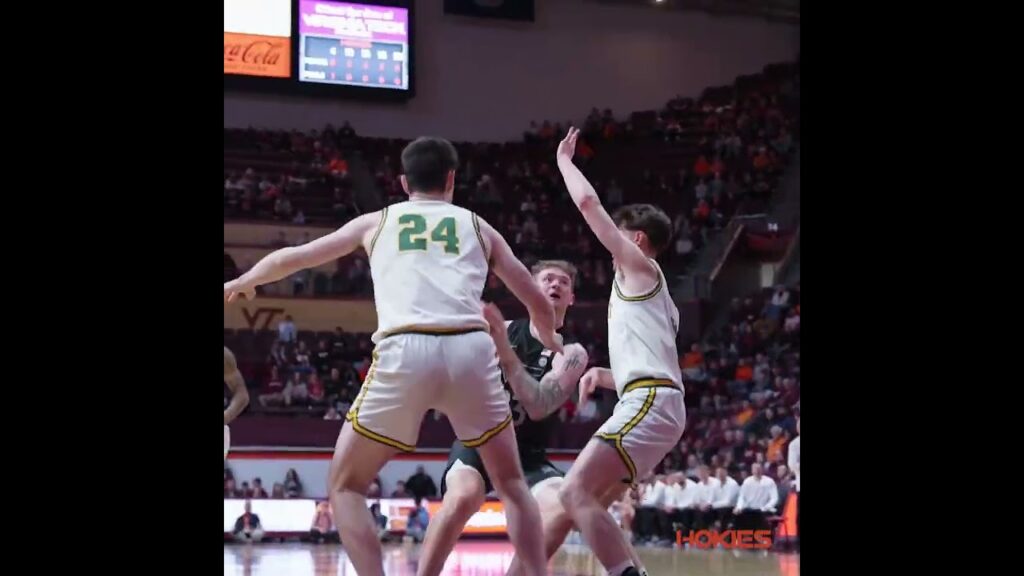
{"type": "Point", "coordinates": [239, 395]}
{"type": "Point", "coordinates": [539, 382]}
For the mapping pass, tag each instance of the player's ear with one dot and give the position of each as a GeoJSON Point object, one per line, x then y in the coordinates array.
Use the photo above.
{"type": "Point", "coordinates": [638, 238]}
{"type": "Point", "coordinates": [405, 183]}
{"type": "Point", "coordinates": [449, 182]}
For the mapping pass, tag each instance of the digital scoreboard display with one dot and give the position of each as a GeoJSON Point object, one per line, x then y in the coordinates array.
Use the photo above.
{"type": "Point", "coordinates": [353, 44]}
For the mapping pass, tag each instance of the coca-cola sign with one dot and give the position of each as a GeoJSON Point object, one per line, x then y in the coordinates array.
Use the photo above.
{"type": "Point", "coordinates": [253, 55]}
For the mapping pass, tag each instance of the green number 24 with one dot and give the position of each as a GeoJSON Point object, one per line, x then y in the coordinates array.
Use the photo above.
{"type": "Point", "coordinates": [414, 226]}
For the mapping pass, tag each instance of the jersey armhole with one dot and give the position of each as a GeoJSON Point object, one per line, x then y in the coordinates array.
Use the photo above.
{"type": "Point", "coordinates": [380, 226]}
{"type": "Point", "coordinates": [480, 238]}
{"type": "Point", "coordinates": [647, 296]}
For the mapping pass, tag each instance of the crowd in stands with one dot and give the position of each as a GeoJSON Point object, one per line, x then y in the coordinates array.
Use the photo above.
{"type": "Point", "coordinates": [289, 487]}
{"type": "Point", "coordinates": [701, 160]}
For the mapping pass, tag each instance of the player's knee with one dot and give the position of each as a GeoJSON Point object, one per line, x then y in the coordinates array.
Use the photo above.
{"type": "Point", "coordinates": [343, 479]}
{"type": "Point", "coordinates": [466, 500]}
{"type": "Point", "coordinates": [571, 494]}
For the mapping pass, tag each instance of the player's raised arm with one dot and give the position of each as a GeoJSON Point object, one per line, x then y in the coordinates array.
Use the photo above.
{"type": "Point", "coordinates": [235, 382]}
{"type": "Point", "coordinates": [287, 261]}
{"type": "Point", "coordinates": [518, 279]}
{"type": "Point", "coordinates": [628, 255]}
{"type": "Point", "coordinates": [543, 398]}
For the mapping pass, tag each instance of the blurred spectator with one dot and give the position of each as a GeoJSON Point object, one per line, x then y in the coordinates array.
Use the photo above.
{"type": "Point", "coordinates": [693, 363]}
{"type": "Point", "coordinates": [257, 489]}
{"type": "Point", "coordinates": [419, 518]}
{"type": "Point", "coordinates": [247, 527]}
{"type": "Point", "coordinates": [229, 488]}
{"type": "Point", "coordinates": [651, 519]}
{"type": "Point", "coordinates": [332, 414]}
{"type": "Point", "coordinates": [420, 485]}
{"type": "Point", "coordinates": [400, 491]}
{"type": "Point", "coordinates": [277, 491]}
{"type": "Point", "coordinates": [757, 500]}
{"type": "Point", "coordinates": [315, 387]}
{"type": "Point", "coordinates": [286, 331]}
{"type": "Point", "coordinates": [725, 498]}
{"type": "Point", "coordinates": [273, 390]}
{"type": "Point", "coordinates": [374, 491]}
{"type": "Point", "coordinates": [322, 529]}
{"type": "Point", "coordinates": [682, 494]}
{"type": "Point", "coordinates": [292, 485]}
{"type": "Point", "coordinates": [708, 488]}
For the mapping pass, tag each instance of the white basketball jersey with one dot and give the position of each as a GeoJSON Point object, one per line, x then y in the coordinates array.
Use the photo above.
{"type": "Point", "coordinates": [642, 335]}
{"type": "Point", "coordinates": [429, 266]}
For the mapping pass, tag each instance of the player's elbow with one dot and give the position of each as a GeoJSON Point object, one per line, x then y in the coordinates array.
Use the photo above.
{"type": "Point", "coordinates": [535, 413]}
{"type": "Point", "coordinates": [243, 397]}
{"type": "Point", "coordinates": [589, 202]}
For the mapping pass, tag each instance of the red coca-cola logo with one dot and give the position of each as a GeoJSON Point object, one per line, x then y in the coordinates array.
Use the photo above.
{"type": "Point", "coordinates": [259, 52]}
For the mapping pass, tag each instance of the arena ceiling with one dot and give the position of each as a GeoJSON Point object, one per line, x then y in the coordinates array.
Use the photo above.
{"type": "Point", "coordinates": [778, 10]}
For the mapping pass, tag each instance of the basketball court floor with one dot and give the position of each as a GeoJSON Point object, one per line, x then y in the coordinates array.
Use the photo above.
{"type": "Point", "coordinates": [491, 558]}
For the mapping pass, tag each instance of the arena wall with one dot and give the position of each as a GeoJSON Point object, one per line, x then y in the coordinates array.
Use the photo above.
{"type": "Point", "coordinates": [577, 54]}
{"type": "Point", "coordinates": [312, 468]}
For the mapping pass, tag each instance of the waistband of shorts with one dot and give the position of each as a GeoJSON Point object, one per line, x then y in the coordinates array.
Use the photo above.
{"type": "Point", "coordinates": [433, 331]}
{"type": "Point", "coordinates": [649, 383]}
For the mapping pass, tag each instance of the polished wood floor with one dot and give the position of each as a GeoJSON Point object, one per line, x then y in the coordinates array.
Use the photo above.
{"type": "Point", "coordinates": [478, 558]}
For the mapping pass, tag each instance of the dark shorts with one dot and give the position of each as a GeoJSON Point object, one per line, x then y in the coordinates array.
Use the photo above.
{"type": "Point", "coordinates": [535, 471]}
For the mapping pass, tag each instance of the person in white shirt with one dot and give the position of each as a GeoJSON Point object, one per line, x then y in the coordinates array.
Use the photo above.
{"type": "Point", "coordinates": [680, 504]}
{"type": "Point", "coordinates": [725, 498]}
{"type": "Point", "coordinates": [709, 487]}
{"type": "Point", "coordinates": [758, 498]}
{"type": "Point", "coordinates": [650, 516]}
{"type": "Point", "coordinates": [794, 464]}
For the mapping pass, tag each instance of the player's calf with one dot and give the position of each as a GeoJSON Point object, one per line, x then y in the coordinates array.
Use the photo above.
{"type": "Point", "coordinates": [585, 494]}
{"type": "Point", "coordinates": [464, 494]}
{"type": "Point", "coordinates": [501, 460]}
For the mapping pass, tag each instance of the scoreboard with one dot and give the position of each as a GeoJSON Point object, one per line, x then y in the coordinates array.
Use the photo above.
{"type": "Point", "coordinates": [353, 44]}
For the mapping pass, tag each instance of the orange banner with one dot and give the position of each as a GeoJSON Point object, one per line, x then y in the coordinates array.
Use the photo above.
{"type": "Point", "coordinates": [490, 519]}
{"type": "Point", "coordinates": [252, 55]}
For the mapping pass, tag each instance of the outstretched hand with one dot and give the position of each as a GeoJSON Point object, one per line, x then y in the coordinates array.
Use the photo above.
{"type": "Point", "coordinates": [567, 147]}
{"type": "Point", "coordinates": [235, 288]}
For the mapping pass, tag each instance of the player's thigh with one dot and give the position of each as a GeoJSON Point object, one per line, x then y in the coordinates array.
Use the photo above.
{"type": "Point", "coordinates": [473, 397]}
{"type": "Point", "coordinates": [596, 470]}
{"type": "Point", "coordinates": [645, 425]}
{"type": "Point", "coordinates": [397, 391]}
{"type": "Point", "coordinates": [357, 460]}
{"type": "Point", "coordinates": [501, 458]}
{"type": "Point", "coordinates": [654, 432]}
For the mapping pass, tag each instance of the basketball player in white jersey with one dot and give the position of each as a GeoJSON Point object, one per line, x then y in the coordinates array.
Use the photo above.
{"type": "Point", "coordinates": [429, 260]}
{"type": "Point", "coordinates": [239, 395]}
{"type": "Point", "coordinates": [642, 325]}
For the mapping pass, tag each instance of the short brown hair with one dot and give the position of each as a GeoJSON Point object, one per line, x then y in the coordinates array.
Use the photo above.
{"type": "Point", "coordinates": [426, 162]}
{"type": "Point", "coordinates": [563, 265]}
{"type": "Point", "coordinates": [650, 220]}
